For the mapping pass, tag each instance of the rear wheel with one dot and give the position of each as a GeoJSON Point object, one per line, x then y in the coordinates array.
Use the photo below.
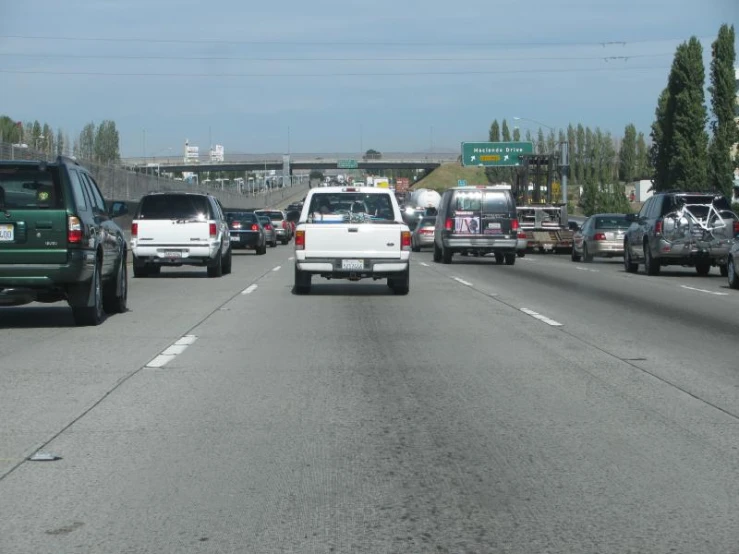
{"type": "Point", "coordinates": [416, 248]}
{"type": "Point", "coordinates": [139, 268]}
{"type": "Point", "coordinates": [521, 253]}
{"type": "Point", "coordinates": [115, 292]}
{"type": "Point", "coordinates": [227, 262]}
{"type": "Point", "coordinates": [302, 281]}
{"type": "Point", "coordinates": [273, 244]}
{"type": "Point", "coordinates": [91, 314]}
{"type": "Point", "coordinates": [446, 255]}
{"type": "Point", "coordinates": [215, 268]}
{"type": "Point", "coordinates": [437, 253]}
{"type": "Point", "coordinates": [499, 258]}
{"type": "Point", "coordinates": [629, 265]}
{"type": "Point", "coordinates": [510, 258]}
{"type": "Point", "coordinates": [723, 270]}
{"type": "Point", "coordinates": [574, 256]}
{"type": "Point", "coordinates": [586, 256]}
{"type": "Point", "coordinates": [400, 285]}
{"type": "Point", "coordinates": [262, 249]}
{"type": "Point", "coordinates": [733, 277]}
{"type": "Point", "coordinates": [651, 266]}
{"type": "Point", "coordinates": [703, 268]}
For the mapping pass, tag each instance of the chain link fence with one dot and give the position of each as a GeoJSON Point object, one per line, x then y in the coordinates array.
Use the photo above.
{"type": "Point", "coordinates": [117, 183]}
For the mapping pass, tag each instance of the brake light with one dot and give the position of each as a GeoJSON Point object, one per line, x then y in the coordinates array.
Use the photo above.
{"type": "Point", "coordinates": [213, 230]}
{"type": "Point", "coordinates": [74, 230]}
{"type": "Point", "coordinates": [236, 225]}
{"type": "Point", "coordinates": [134, 230]}
{"type": "Point", "coordinates": [599, 236]}
{"type": "Point", "coordinates": [514, 225]}
{"type": "Point", "coordinates": [299, 240]}
{"type": "Point", "coordinates": [658, 226]}
{"type": "Point", "coordinates": [284, 224]}
{"type": "Point", "coordinates": [254, 227]}
{"type": "Point", "coordinates": [736, 227]}
{"type": "Point", "coordinates": [268, 226]}
{"type": "Point", "coordinates": [449, 224]}
{"type": "Point", "coordinates": [521, 235]}
{"type": "Point", "coordinates": [405, 240]}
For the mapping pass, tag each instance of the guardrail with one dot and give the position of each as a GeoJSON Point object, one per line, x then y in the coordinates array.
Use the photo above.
{"type": "Point", "coordinates": [117, 183]}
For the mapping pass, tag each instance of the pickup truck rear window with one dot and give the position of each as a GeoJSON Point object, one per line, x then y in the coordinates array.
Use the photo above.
{"type": "Point", "coordinates": [351, 207]}
{"type": "Point", "coordinates": [30, 188]}
{"type": "Point", "coordinates": [175, 206]}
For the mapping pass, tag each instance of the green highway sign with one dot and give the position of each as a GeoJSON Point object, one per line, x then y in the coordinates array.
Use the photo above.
{"type": "Point", "coordinates": [347, 164]}
{"type": "Point", "coordinates": [461, 182]}
{"type": "Point", "coordinates": [494, 154]}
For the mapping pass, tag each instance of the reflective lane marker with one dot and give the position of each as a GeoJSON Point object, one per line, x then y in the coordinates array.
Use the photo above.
{"type": "Point", "coordinates": [706, 291]}
{"type": "Point", "coordinates": [462, 281]}
{"type": "Point", "coordinates": [424, 264]}
{"type": "Point", "coordinates": [172, 351]}
{"type": "Point", "coordinates": [540, 317]}
{"type": "Point", "coordinates": [249, 289]}
{"type": "Point", "coordinates": [277, 268]}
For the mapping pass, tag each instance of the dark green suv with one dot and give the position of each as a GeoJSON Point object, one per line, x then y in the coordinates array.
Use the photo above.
{"type": "Point", "coordinates": [58, 241]}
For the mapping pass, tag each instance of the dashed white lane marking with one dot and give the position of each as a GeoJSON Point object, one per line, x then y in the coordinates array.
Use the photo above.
{"type": "Point", "coordinates": [540, 317]}
{"type": "Point", "coordinates": [527, 259]}
{"type": "Point", "coordinates": [586, 269]}
{"type": "Point", "coordinates": [462, 281]}
{"type": "Point", "coordinates": [249, 289]}
{"type": "Point", "coordinates": [706, 291]}
{"type": "Point", "coordinates": [291, 258]}
{"type": "Point", "coordinates": [276, 268]}
{"type": "Point", "coordinates": [172, 351]}
{"type": "Point", "coordinates": [424, 264]}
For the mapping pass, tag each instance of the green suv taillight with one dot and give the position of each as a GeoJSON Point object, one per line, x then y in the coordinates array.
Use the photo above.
{"type": "Point", "coordinates": [74, 230]}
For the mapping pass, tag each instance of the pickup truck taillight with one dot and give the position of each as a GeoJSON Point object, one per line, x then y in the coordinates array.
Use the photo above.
{"type": "Point", "coordinates": [299, 240]}
{"type": "Point", "coordinates": [658, 227]}
{"type": "Point", "coordinates": [599, 236]}
{"type": "Point", "coordinates": [134, 230]}
{"type": "Point", "coordinates": [213, 230]}
{"type": "Point", "coordinates": [74, 230]}
{"type": "Point", "coordinates": [405, 240]}
{"type": "Point", "coordinates": [449, 224]}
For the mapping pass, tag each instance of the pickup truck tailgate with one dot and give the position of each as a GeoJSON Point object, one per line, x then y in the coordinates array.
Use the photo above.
{"type": "Point", "coordinates": [342, 240]}
{"type": "Point", "coordinates": [172, 232]}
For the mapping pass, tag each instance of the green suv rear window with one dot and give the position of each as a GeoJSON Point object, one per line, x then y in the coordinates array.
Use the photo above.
{"type": "Point", "coordinates": [30, 188]}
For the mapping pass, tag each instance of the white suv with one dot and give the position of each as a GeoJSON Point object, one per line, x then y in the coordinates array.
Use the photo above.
{"type": "Point", "coordinates": [180, 228]}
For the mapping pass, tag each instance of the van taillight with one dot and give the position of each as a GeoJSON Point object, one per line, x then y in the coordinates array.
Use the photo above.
{"type": "Point", "coordinates": [213, 229]}
{"type": "Point", "coordinates": [514, 225]}
{"type": "Point", "coordinates": [134, 230]}
{"type": "Point", "coordinates": [74, 230]}
{"type": "Point", "coordinates": [658, 226]}
{"type": "Point", "coordinates": [299, 240]}
{"type": "Point", "coordinates": [449, 224]}
{"type": "Point", "coordinates": [405, 240]}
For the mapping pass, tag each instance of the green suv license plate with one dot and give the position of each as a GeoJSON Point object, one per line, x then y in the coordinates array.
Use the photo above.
{"type": "Point", "coordinates": [6, 233]}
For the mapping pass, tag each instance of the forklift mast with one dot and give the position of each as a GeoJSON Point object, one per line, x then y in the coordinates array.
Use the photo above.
{"type": "Point", "coordinates": [539, 169]}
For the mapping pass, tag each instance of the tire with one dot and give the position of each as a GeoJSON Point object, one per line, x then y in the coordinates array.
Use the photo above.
{"type": "Point", "coordinates": [521, 253]}
{"type": "Point", "coordinates": [215, 268]}
{"type": "Point", "coordinates": [285, 241]}
{"type": "Point", "coordinates": [446, 255]}
{"type": "Point", "coordinates": [703, 268]}
{"type": "Point", "coordinates": [733, 277]}
{"type": "Point", "coordinates": [91, 315]}
{"type": "Point", "coordinates": [629, 265]}
{"type": "Point", "coordinates": [261, 250]}
{"type": "Point", "coordinates": [273, 244]}
{"type": "Point", "coordinates": [574, 256]}
{"type": "Point", "coordinates": [499, 258]}
{"type": "Point", "coordinates": [154, 270]}
{"type": "Point", "coordinates": [723, 270]}
{"type": "Point", "coordinates": [437, 253]}
{"type": "Point", "coordinates": [415, 248]}
{"type": "Point", "coordinates": [113, 303]}
{"type": "Point", "coordinates": [302, 281]}
{"type": "Point", "coordinates": [651, 266]}
{"type": "Point", "coordinates": [510, 258]}
{"type": "Point", "coordinates": [400, 285]}
{"type": "Point", "coordinates": [586, 256]}
{"type": "Point", "coordinates": [227, 262]}
{"type": "Point", "coordinates": [139, 269]}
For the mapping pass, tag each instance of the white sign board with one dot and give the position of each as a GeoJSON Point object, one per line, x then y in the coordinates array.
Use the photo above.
{"type": "Point", "coordinates": [192, 154]}
{"type": "Point", "coordinates": [217, 153]}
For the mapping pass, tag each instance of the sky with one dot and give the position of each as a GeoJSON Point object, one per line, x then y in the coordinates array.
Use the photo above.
{"type": "Point", "coordinates": [337, 76]}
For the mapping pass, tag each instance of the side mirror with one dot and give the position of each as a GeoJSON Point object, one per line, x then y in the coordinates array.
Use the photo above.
{"type": "Point", "coordinates": [118, 209]}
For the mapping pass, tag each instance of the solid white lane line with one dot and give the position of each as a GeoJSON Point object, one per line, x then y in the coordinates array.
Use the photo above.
{"type": "Point", "coordinates": [540, 317]}
{"type": "Point", "coordinates": [706, 291]}
{"type": "Point", "coordinates": [172, 351]}
{"type": "Point", "coordinates": [249, 289]}
{"type": "Point", "coordinates": [277, 268]}
{"type": "Point", "coordinates": [462, 281]}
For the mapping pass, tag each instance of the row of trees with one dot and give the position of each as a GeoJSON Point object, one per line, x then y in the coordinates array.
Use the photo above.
{"type": "Point", "coordinates": [99, 143]}
{"type": "Point", "coordinates": [682, 153]}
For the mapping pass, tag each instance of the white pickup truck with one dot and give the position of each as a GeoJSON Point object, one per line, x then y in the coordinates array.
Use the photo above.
{"type": "Point", "coordinates": [352, 233]}
{"type": "Point", "coordinates": [180, 228]}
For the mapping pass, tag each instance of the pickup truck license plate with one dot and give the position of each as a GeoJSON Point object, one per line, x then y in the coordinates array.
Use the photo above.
{"type": "Point", "coordinates": [172, 254]}
{"type": "Point", "coordinates": [352, 264]}
{"type": "Point", "coordinates": [6, 233]}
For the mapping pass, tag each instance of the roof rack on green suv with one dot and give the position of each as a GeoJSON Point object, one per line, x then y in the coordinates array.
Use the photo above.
{"type": "Point", "coordinates": [59, 240]}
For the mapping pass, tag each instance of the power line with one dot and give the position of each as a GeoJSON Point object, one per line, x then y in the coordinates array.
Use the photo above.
{"type": "Point", "coordinates": [272, 59]}
{"type": "Point", "coordinates": [506, 43]}
{"type": "Point", "coordinates": [335, 74]}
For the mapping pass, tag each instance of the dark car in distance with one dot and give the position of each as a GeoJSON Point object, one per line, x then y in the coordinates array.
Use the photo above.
{"type": "Point", "coordinates": [58, 240]}
{"type": "Point", "coordinates": [246, 231]}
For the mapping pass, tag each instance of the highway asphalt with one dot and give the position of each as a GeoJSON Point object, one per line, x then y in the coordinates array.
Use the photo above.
{"type": "Point", "coordinates": [551, 406]}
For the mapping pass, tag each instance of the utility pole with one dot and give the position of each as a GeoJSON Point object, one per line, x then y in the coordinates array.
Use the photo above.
{"type": "Point", "coordinates": [361, 142]}
{"type": "Point", "coordinates": [143, 144]}
{"type": "Point", "coordinates": [565, 164]}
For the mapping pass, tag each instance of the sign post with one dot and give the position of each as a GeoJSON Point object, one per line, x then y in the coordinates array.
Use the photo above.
{"type": "Point", "coordinates": [494, 154]}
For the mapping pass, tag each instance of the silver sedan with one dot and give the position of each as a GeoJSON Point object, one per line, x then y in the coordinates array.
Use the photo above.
{"type": "Point", "coordinates": [601, 235]}
{"type": "Point", "coordinates": [423, 234]}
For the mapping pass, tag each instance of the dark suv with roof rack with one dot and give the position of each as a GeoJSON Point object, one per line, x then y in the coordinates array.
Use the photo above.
{"type": "Point", "coordinates": [58, 240]}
